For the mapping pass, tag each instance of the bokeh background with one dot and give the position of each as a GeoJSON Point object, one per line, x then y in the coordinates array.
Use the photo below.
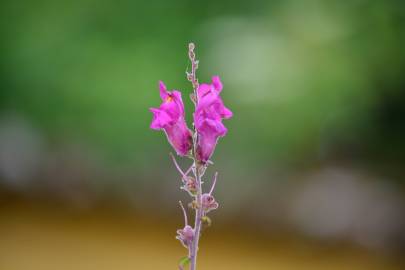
{"type": "Point", "coordinates": [311, 171]}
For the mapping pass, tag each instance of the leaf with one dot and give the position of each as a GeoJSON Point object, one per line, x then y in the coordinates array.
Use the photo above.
{"type": "Point", "coordinates": [183, 262]}
{"type": "Point", "coordinates": [206, 221]}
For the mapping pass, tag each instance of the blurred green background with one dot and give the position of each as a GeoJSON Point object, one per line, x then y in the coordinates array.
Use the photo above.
{"type": "Point", "coordinates": [311, 171]}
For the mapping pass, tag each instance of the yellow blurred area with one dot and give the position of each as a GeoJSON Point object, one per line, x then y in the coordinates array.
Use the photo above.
{"type": "Point", "coordinates": [43, 236]}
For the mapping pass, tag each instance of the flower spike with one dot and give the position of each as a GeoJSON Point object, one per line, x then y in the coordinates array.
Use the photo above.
{"type": "Point", "coordinates": [198, 144]}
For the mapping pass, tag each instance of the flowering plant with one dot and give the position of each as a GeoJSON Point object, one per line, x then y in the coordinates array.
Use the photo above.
{"type": "Point", "coordinates": [197, 144]}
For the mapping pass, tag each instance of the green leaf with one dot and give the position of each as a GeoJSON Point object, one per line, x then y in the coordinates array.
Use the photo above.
{"type": "Point", "coordinates": [183, 262]}
{"type": "Point", "coordinates": [206, 221]}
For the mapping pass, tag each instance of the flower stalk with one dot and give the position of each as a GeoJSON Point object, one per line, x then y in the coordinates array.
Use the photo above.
{"type": "Point", "coordinates": [192, 77]}
{"type": "Point", "coordinates": [198, 144]}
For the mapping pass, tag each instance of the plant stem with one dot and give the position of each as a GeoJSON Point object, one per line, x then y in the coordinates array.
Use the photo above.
{"type": "Point", "coordinates": [197, 165]}
{"type": "Point", "coordinates": [198, 218]}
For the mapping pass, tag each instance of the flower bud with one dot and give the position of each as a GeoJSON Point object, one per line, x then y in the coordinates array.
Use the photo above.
{"type": "Point", "coordinates": [193, 99]}
{"type": "Point", "coordinates": [190, 185]}
{"type": "Point", "coordinates": [189, 76]}
{"type": "Point", "coordinates": [193, 205]}
{"type": "Point", "coordinates": [185, 236]}
{"type": "Point", "coordinates": [208, 202]}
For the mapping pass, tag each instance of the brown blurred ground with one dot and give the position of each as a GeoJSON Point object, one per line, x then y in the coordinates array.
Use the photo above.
{"type": "Point", "coordinates": [45, 236]}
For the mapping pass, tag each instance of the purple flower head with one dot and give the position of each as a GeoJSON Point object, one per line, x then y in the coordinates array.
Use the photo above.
{"type": "Point", "coordinates": [208, 118]}
{"type": "Point", "coordinates": [208, 202]}
{"type": "Point", "coordinates": [185, 236]}
{"type": "Point", "coordinates": [170, 117]}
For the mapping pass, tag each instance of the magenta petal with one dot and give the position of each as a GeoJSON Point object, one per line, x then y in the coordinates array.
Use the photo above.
{"type": "Point", "coordinates": [160, 119]}
{"type": "Point", "coordinates": [179, 137]}
{"type": "Point", "coordinates": [205, 147]}
{"type": "Point", "coordinates": [216, 82]}
{"type": "Point", "coordinates": [163, 90]}
{"type": "Point", "coordinates": [203, 89]}
{"type": "Point", "coordinates": [226, 113]}
{"type": "Point", "coordinates": [213, 128]}
{"type": "Point", "coordinates": [208, 133]}
{"type": "Point", "coordinates": [207, 101]}
{"type": "Point", "coordinates": [172, 108]}
{"type": "Point", "coordinates": [176, 95]}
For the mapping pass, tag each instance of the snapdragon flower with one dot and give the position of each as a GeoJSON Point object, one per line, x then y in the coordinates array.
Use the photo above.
{"type": "Point", "coordinates": [170, 117]}
{"type": "Point", "coordinates": [208, 118]}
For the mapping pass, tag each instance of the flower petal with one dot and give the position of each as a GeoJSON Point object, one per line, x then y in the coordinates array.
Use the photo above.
{"type": "Point", "coordinates": [217, 84]}
{"type": "Point", "coordinates": [160, 119]}
{"type": "Point", "coordinates": [176, 95]}
{"type": "Point", "coordinates": [163, 91]}
{"type": "Point", "coordinates": [226, 113]}
{"type": "Point", "coordinates": [203, 89]}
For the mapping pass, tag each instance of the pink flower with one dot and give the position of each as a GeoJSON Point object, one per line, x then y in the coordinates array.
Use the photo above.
{"type": "Point", "coordinates": [185, 236]}
{"type": "Point", "coordinates": [170, 117]}
{"type": "Point", "coordinates": [208, 118]}
{"type": "Point", "coordinates": [208, 202]}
